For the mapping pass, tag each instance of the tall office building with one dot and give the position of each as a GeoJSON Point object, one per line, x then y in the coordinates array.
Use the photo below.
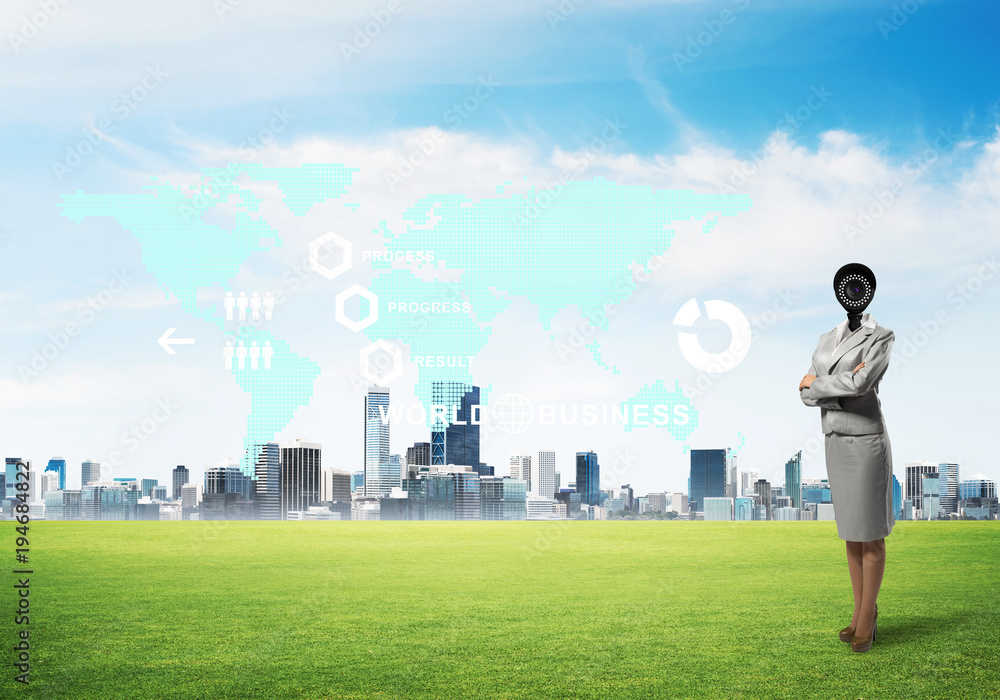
{"type": "Point", "coordinates": [336, 486]}
{"type": "Point", "coordinates": [948, 473]}
{"type": "Point", "coordinates": [58, 465]}
{"type": "Point", "coordinates": [455, 440]}
{"type": "Point", "coordinates": [181, 476]}
{"type": "Point", "coordinates": [897, 499]}
{"type": "Point", "coordinates": [930, 502]}
{"type": "Point", "coordinates": [10, 476]}
{"type": "Point", "coordinates": [732, 474]}
{"type": "Point", "coordinates": [419, 455]}
{"type": "Point", "coordinates": [376, 448]}
{"type": "Point", "coordinates": [502, 498]}
{"type": "Point", "coordinates": [588, 478]}
{"type": "Point", "coordinates": [913, 486]}
{"type": "Point", "coordinates": [228, 478]}
{"type": "Point", "coordinates": [708, 476]}
{"type": "Point", "coordinates": [545, 474]}
{"type": "Point", "coordinates": [747, 481]}
{"type": "Point", "coordinates": [90, 471]}
{"type": "Point", "coordinates": [147, 487]}
{"type": "Point", "coordinates": [520, 468]}
{"type": "Point", "coordinates": [793, 479]}
{"type": "Point", "coordinates": [763, 490]}
{"type": "Point", "coordinates": [977, 486]}
{"type": "Point", "coordinates": [467, 497]}
{"type": "Point", "coordinates": [191, 495]}
{"type": "Point", "coordinates": [301, 466]}
{"type": "Point", "coordinates": [266, 459]}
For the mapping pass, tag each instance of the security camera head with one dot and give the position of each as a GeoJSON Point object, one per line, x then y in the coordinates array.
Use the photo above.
{"type": "Point", "coordinates": [854, 285]}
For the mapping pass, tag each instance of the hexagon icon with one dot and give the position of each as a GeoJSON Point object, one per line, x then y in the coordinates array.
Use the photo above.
{"type": "Point", "coordinates": [360, 324]}
{"type": "Point", "coordinates": [397, 362]}
{"type": "Point", "coordinates": [319, 244]}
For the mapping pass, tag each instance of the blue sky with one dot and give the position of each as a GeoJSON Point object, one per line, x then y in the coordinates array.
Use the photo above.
{"type": "Point", "coordinates": [688, 125]}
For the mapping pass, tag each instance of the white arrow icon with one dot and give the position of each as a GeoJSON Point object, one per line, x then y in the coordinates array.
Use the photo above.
{"type": "Point", "coordinates": [166, 341]}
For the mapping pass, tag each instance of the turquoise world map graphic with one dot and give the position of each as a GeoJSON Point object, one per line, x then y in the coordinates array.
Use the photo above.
{"type": "Point", "coordinates": [507, 246]}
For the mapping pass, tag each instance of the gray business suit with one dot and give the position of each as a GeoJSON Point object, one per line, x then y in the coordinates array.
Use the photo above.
{"type": "Point", "coordinates": [858, 452]}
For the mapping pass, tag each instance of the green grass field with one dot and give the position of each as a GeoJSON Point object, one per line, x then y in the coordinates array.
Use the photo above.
{"type": "Point", "coordinates": [499, 610]}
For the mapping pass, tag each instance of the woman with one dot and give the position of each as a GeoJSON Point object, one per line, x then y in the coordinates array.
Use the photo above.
{"type": "Point", "coordinates": [847, 366]}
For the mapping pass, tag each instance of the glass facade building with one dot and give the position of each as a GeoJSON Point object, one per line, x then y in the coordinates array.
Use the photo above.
{"type": "Point", "coordinates": [588, 478]}
{"type": "Point", "coordinates": [708, 476]}
{"type": "Point", "coordinates": [266, 459]}
{"type": "Point", "coordinates": [376, 448]}
{"type": "Point", "coordinates": [455, 437]}
{"type": "Point", "coordinates": [948, 486]}
{"type": "Point", "coordinates": [793, 479]}
{"type": "Point", "coordinates": [228, 480]}
{"type": "Point", "coordinates": [301, 476]}
{"type": "Point", "coordinates": [181, 476]}
{"type": "Point", "coordinates": [718, 508]}
{"type": "Point", "coordinates": [58, 465]}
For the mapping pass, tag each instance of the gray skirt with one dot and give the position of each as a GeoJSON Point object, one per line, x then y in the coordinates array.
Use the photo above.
{"type": "Point", "coordinates": [859, 469]}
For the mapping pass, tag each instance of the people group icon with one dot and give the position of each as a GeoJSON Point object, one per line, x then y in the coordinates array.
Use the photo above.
{"type": "Point", "coordinates": [255, 303]}
{"type": "Point", "coordinates": [254, 352]}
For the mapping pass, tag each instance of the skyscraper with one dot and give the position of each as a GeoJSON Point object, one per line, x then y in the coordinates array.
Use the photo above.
{"type": "Point", "coordinates": [301, 466]}
{"type": "Point", "coordinates": [520, 468]}
{"type": "Point", "coordinates": [227, 479]}
{"type": "Point", "coordinates": [376, 407]}
{"type": "Point", "coordinates": [58, 465]}
{"type": "Point", "coordinates": [266, 459]}
{"type": "Point", "coordinates": [419, 455]}
{"type": "Point", "coordinates": [708, 476]}
{"type": "Point", "coordinates": [90, 471]}
{"type": "Point", "coordinates": [181, 476]}
{"type": "Point", "coordinates": [913, 486]}
{"type": "Point", "coordinates": [732, 474]}
{"type": "Point", "coordinates": [10, 476]}
{"type": "Point", "coordinates": [588, 478]}
{"type": "Point", "coordinates": [455, 440]}
{"type": "Point", "coordinates": [147, 487]}
{"type": "Point", "coordinates": [948, 473]}
{"type": "Point", "coordinates": [336, 486]}
{"type": "Point", "coordinates": [763, 489]}
{"type": "Point", "coordinates": [793, 479]}
{"type": "Point", "coordinates": [545, 473]}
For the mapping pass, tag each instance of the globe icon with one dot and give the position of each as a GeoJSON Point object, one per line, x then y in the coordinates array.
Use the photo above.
{"type": "Point", "coordinates": [513, 413]}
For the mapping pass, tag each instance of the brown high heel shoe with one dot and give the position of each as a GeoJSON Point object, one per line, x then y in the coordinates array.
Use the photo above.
{"type": "Point", "coordinates": [865, 643]}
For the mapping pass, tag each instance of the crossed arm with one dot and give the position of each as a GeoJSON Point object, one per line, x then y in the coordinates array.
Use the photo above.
{"type": "Point", "coordinates": [825, 391]}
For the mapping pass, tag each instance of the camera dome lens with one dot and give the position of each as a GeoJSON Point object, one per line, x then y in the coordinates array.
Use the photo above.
{"type": "Point", "coordinates": [855, 291]}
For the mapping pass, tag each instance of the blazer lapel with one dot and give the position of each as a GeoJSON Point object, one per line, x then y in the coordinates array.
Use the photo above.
{"type": "Point", "coordinates": [849, 345]}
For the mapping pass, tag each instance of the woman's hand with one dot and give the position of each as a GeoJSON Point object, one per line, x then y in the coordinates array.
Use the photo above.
{"type": "Point", "coordinates": [859, 367]}
{"type": "Point", "coordinates": [806, 381]}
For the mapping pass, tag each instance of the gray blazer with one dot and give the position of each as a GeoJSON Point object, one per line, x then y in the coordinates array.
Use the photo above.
{"type": "Point", "coordinates": [849, 402]}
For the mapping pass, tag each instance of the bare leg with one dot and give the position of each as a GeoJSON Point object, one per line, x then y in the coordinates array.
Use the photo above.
{"type": "Point", "coordinates": [873, 560]}
{"type": "Point", "coordinates": [854, 565]}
